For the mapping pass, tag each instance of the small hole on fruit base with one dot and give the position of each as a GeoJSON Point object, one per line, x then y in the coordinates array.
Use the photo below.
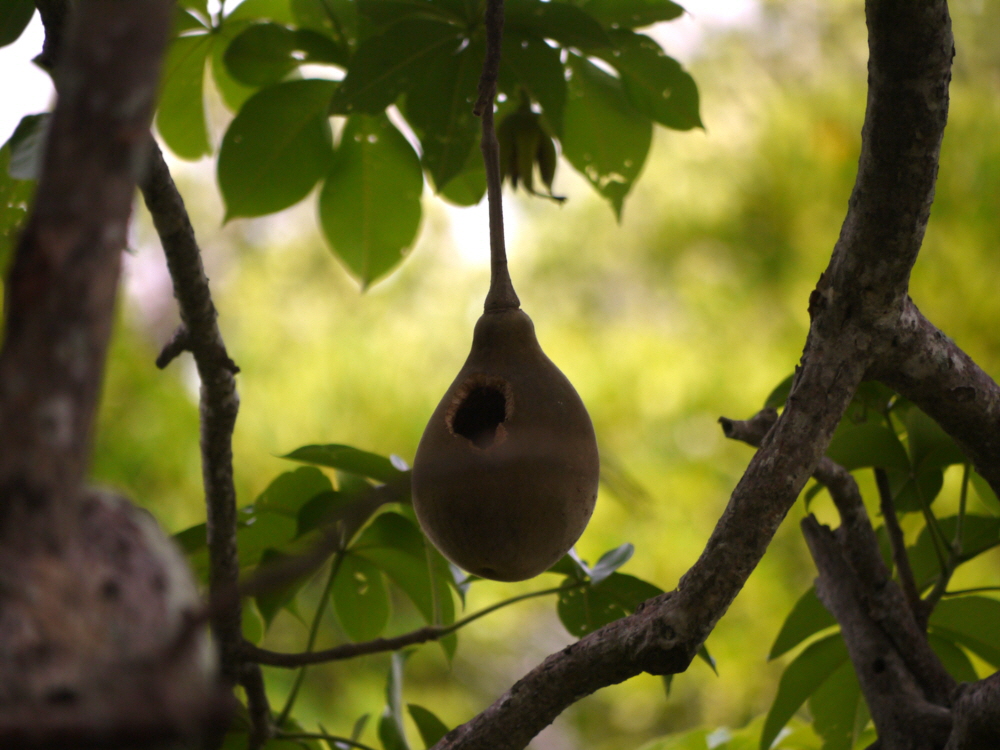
{"type": "Point", "coordinates": [481, 406]}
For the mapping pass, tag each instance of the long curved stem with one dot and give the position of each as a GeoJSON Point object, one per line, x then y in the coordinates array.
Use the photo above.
{"type": "Point", "coordinates": [501, 295]}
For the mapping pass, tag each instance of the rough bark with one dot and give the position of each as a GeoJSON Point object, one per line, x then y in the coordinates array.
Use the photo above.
{"type": "Point", "coordinates": [92, 595]}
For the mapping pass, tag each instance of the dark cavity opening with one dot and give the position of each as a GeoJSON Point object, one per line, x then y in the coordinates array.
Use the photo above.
{"type": "Point", "coordinates": [479, 415]}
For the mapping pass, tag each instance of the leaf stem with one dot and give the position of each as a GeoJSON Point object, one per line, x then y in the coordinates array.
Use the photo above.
{"type": "Point", "coordinates": [501, 295]}
{"type": "Point", "coordinates": [322, 736]}
{"type": "Point", "coordinates": [311, 642]}
{"type": "Point", "coordinates": [960, 592]}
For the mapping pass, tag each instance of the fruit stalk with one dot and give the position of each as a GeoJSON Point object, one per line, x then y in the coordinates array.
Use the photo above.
{"type": "Point", "coordinates": [501, 295]}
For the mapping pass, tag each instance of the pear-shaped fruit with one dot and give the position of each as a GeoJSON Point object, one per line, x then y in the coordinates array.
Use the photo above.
{"type": "Point", "coordinates": [505, 476]}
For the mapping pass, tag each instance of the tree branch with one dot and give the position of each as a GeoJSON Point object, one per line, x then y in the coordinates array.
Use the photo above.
{"type": "Point", "coordinates": [902, 561]}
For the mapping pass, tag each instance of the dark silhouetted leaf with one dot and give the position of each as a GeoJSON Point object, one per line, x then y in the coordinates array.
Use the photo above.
{"type": "Point", "coordinates": [27, 146]}
{"type": "Point", "coordinates": [259, 531]}
{"type": "Point", "coordinates": [584, 609]}
{"type": "Point", "coordinates": [180, 116]}
{"type": "Point", "coordinates": [273, 599]}
{"type": "Point", "coordinates": [610, 561]}
{"type": "Point", "coordinates": [835, 707]}
{"type": "Point", "coordinates": [384, 65]}
{"type": "Point", "coordinates": [604, 137]}
{"type": "Point", "coordinates": [631, 14]}
{"type": "Point", "coordinates": [431, 728]}
{"type": "Point", "coordinates": [346, 458]}
{"type": "Point", "coordinates": [439, 106]}
{"type": "Point", "coordinates": [360, 599]}
{"type": "Point", "coordinates": [807, 618]}
{"type": "Point", "coordinates": [14, 18]}
{"type": "Point", "coordinates": [234, 94]}
{"type": "Point", "coordinates": [654, 83]}
{"type": "Point", "coordinates": [276, 149]}
{"type": "Point", "coordinates": [264, 53]}
{"type": "Point", "coordinates": [565, 23]}
{"type": "Point", "coordinates": [192, 539]}
{"type": "Point", "coordinates": [776, 399]}
{"type": "Point", "coordinates": [855, 446]}
{"type": "Point", "coordinates": [954, 659]}
{"type": "Point", "coordinates": [706, 657]}
{"type": "Point", "coordinates": [527, 62]}
{"type": "Point", "coordinates": [370, 204]}
{"type": "Point", "coordinates": [971, 621]}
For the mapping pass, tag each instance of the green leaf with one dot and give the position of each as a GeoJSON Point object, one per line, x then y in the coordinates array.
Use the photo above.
{"type": "Point", "coordinates": [338, 18]}
{"type": "Point", "coordinates": [264, 53]}
{"type": "Point", "coordinates": [979, 534]}
{"type": "Point", "coordinates": [654, 83]}
{"type": "Point", "coordinates": [384, 65]}
{"type": "Point", "coordinates": [370, 204]}
{"type": "Point", "coordinates": [262, 10]}
{"type": "Point", "coordinates": [192, 539]}
{"type": "Point", "coordinates": [14, 198]}
{"type": "Point", "coordinates": [801, 678]}
{"type": "Point", "coordinates": [952, 657]}
{"type": "Point", "coordinates": [610, 561]}
{"type": "Point", "coordinates": [391, 730]}
{"type": "Point", "coordinates": [583, 610]}
{"type": "Point", "coordinates": [200, 6]}
{"type": "Point", "coordinates": [290, 491]}
{"type": "Point", "coordinates": [985, 492]}
{"type": "Point", "coordinates": [360, 598]}
{"type": "Point", "coordinates": [27, 147]}
{"type": "Point", "coordinates": [180, 117]}
{"type": "Point", "coordinates": [253, 625]}
{"type": "Point", "coordinates": [570, 566]}
{"type": "Point", "coordinates": [346, 458]}
{"type": "Point", "coordinates": [527, 62]}
{"type": "Point", "coordinates": [322, 509]}
{"type": "Point", "coordinates": [395, 544]}
{"type": "Point", "coordinates": [604, 137]}
{"type": "Point", "coordinates": [706, 657]}
{"type": "Point", "coordinates": [383, 13]}
{"type": "Point", "coordinates": [779, 395]}
{"type": "Point", "coordinates": [185, 21]}
{"type": "Point", "coordinates": [15, 15]}
{"type": "Point", "coordinates": [565, 23]}
{"type": "Point", "coordinates": [468, 187]}
{"type": "Point", "coordinates": [260, 531]}
{"type": "Point", "coordinates": [855, 446]}
{"type": "Point", "coordinates": [973, 622]}
{"type": "Point", "coordinates": [233, 93]}
{"type": "Point", "coordinates": [930, 446]}
{"type": "Point", "coordinates": [275, 598]}
{"type": "Point", "coordinates": [807, 618]}
{"type": "Point", "coordinates": [439, 106]}
{"type": "Point", "coordinates": [835, 707]}
{"type": "Point", "coordinates": [631, 14]}
{"type": "Point", "coordinates": [276, 148]}
{"type": "Point", "coordinates": [431, 728]}
{"type": "Point", "coordinates": [910, 493]}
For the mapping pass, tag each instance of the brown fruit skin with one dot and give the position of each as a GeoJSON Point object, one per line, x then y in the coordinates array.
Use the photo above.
{"type": "Point", "coordinates": [511, 510]}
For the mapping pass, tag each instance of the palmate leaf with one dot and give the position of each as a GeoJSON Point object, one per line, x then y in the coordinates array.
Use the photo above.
{"type": "Point", "coordinates": [801, 679]}
{"type": "Point", "coordinates": [856, 446]}
{"type": "Point", "coordinates": [583, 610]}
{"type": "Point", "coordinates": [14, 18]}
{"type": "Point", "coordinates": [630, 14]}
{"type": "Point", "coordinates": [370, 203]}
{"type": "Point", "coordinates": [180, 116]}
{"type": "Point", "coordinates": [290, 491]}
{"type": "Point", "coordinates": [979, 534]}
{"type": "Point", "coordinates": [233, 93]}
{"type": "Point", "coordinates": [276, 149]}
{"type": "Point", "coordinates": [439, 106]}
{"type": "Point", "coordinates": [952, 657]}
{"type": "Point", "coordinates": [654, 83]}
{"type": "Point", "coordinates": [528, 63]}
{"type": "Point", "coordinates": [604, 137]}
{"type": "Point", "coordinates": [839, 710]}
{"type": "Point", "coordinates": [360, 598]}
{"type": "Point", "coordinates": [349, 459]}
{"type": "Point", "coordinates": [971, 621]}
{"type": "Point", "coordinates": [264, 53]}
{"type": "Point", "coordinates": [561, 21]}
{"type": "Point", "coordinates": [384, 65]}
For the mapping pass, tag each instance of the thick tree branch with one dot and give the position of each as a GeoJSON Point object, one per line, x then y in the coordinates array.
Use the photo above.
{"type": "Point", "coordinates": [854, 309]}
{"type": "Point", "coordinates": [976, 715]}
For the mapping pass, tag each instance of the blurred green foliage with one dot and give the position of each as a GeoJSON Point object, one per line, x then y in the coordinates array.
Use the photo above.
{"type": "Point", "coordinates": [693, 307]}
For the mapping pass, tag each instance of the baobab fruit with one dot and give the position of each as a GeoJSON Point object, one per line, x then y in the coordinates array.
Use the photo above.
{"type": "Point", "coordinates": [505, 476]}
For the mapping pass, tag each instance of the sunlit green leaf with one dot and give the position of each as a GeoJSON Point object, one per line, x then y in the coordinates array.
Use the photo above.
{"type": "Point", "coordinates": [565, 23]}
{"type": "Point", "coordinates": [979, 534]}
{"type": "Point", "coordinates": [370, 204]}
{"type": "Point", "coordinates": [348, 459]}
{"type": "Point", "coordinates": [807, 618]}
{"type": "Point", "coordinates": [14, 18]}
{"type": "Point", "coordinates": [234, 94]}
{"type": "Point", "coordinates": [952, 657]}
{"type": "Point", "coordinates": [262, 10]}
{"type": "Point", "coordinates": [253, 625]}
{"type": "Point", "coordinates": [276, 149]}
{"type": "Point", "coordinates": [985, 492]}
{"type": "Point", "coordinates": [431, 728]}
{"type": "Point", "coordinates": [293, 489]}
{"type": "Point", "coordinates": [584, 609]}
{"type": "Point", "coordinates": [264, 53]}
{"type": "Point", "coordinates": [527, 62]}
{"type": "Point", "coordinates": [360, 598]}
{"type": "Point", "coordinates": [930, 446]}
{"type": "Point", "coordinates": [180, 118]}
{"type": "Point", "coordinates": [384, 65]}
{"type": "Point", "coordinates": [200, 6]}
{"type": "Point", "coordinates": [468, 187]}
{"type": "Point", "coordinates": [971, 621]}
{"type": "Point", "coordinates": [439, 105]}
{"type": "Point", "coordinates": [654, 83]}
{"type": "Point", "coordinates": [604, 137]}
{"type": "Point", "coordinates": [338, 18]}
{"type": "Point", "coordinates": [631, 14]}
{"type": "Point", "coordinates": [835, 707]}
{"type": "Point", "coordinates": [801, 678]}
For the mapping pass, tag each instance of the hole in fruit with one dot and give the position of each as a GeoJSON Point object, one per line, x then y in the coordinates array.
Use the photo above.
{"type": "Point", "coordinates": [481, 406]}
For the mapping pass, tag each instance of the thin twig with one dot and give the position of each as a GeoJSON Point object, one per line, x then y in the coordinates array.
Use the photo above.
{"type": "Point", "coordinates": [322, 736]}
{"type": "Point", "coordinates": [380, 645]}
{"type": "Point", "coordinates": [179, 342]}
{"type": "Point", "coordinates": [898, 544]}
{"type": "Point", "coordinates": [501, 295]}
{"type": "Point", "coordinates": [257, 705]}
